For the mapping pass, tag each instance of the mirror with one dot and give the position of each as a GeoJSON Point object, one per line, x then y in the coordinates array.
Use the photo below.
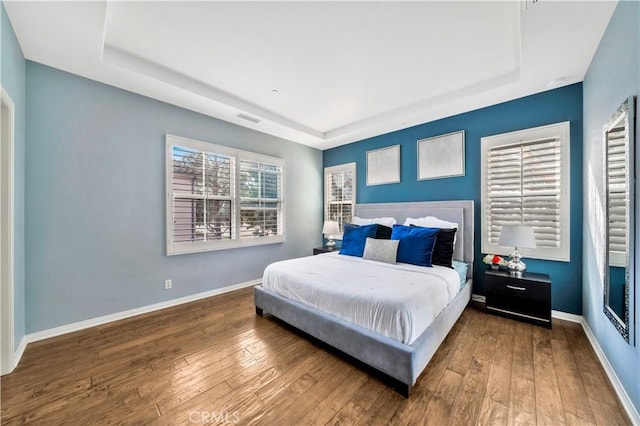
{"type": "Point", "coordinates": [620, 242]}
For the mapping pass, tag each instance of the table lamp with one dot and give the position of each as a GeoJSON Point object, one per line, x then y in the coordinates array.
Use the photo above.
{"type": "Point", "coordinates": [330, 228]}
{"type": "Point", "coordinates": [517, 236]}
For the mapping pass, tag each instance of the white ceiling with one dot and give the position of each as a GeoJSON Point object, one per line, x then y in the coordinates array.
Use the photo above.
{"type": "Point", "coordinates": [344, 71]}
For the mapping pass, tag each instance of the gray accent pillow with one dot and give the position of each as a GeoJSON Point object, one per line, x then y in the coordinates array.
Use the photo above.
{"type": "Point", "coordinates": [381, 250]}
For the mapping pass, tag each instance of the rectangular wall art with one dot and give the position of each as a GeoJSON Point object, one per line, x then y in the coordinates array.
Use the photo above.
{"type": "Point", "coordinates": [383, 165]}
{"type": "Point", "coordinates": [441, 156]}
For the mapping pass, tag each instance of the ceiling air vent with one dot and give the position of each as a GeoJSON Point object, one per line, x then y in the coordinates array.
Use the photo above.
{"type": "Point", "coordinates": [248, 118]}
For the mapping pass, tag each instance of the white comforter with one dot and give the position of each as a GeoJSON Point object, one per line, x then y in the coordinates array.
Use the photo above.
{"type": "Point", "coordinates": [398, 301]}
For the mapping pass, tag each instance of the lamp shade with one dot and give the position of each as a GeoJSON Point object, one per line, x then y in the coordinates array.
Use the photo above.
{"type": "Point", "coordinates": [517, 236]}
{"type": "Point", "coordinates": [330, 227]}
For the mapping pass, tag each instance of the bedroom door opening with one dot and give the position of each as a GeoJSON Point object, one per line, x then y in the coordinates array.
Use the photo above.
{"type": "Point", "coordinates": [7, 116]}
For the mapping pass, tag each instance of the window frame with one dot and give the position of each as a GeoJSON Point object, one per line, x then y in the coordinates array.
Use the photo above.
{"type": "Point", "coordinates": [339, 169]}
{"type": "Point", "coordinates": [236, 241]}
{"type": "Point", "coordinates": [557, 130]}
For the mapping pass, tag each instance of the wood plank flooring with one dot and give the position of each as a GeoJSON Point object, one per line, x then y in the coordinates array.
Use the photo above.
{"type": "Point", "coordinates": [215, 362]}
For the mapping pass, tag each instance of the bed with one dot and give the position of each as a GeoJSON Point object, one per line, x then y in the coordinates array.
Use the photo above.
{"type": "Point", "coordinates": [401, 356]}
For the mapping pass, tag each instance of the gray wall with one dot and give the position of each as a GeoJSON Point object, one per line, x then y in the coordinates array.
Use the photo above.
{"type": "Point", "coordinates": [614, 75]}
{"type": "Point", "coordinates": [12, 72]}
{"type": "Point", "coordinates": [95, 201]}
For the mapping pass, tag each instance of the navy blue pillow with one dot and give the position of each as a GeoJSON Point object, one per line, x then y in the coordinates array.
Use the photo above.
{"type": "Point", "coordinates": [416, 244]}
{"type": "Point", "coordinates": [383, 232]}
{"type": "Point", "coordinates": [443, 248]}
{"type": "Point", "coordinates": [354, 238]}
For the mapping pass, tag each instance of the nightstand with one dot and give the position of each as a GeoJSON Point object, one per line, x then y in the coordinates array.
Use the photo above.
{"type": "Point", "coordinates": [526, 297]}
{"type": "Point", "coordinates": [324, 249]}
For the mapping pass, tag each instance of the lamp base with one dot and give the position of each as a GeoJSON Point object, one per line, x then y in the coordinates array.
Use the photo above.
{"type": "Point", "coordinates": [331, 243]}
{"type": "Point", "coordinates": [515, 265]}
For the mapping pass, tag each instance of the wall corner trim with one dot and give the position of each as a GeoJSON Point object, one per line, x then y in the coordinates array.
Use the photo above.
{"type": "Point", "coordinates": [81, 325]}
{"type": "Point", "coordinates": [611, 374]}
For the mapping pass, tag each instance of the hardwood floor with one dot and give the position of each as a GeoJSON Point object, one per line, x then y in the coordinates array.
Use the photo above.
{"type": "Point", "coordinates": [215, 362]}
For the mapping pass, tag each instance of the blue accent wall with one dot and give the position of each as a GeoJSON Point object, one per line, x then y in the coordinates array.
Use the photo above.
{"type": "Point", "coordinates": [614, 75]}
{"type": "Point", "coordinates": [95, 186]}
{"type": "Point", "coordinates": [564, 104]}
{"type": "Point", "coordinates": [12, 76]}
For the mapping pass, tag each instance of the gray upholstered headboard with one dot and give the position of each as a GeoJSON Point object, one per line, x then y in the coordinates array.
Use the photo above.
{"type": "Point", "coordinates": [460, 212]}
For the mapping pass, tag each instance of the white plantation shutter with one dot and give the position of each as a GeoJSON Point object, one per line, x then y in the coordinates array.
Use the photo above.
{"type": "Point", "coordinates": [617, 175]}
{"type": "Point", "coordinates": [219, 198]}
{"type": "Point", "coordinates": [525, 181]}
{"type": "Point", "coordinates": [202, 186]}
{"type": "Point", "coordinates": [260, 198]}
{"type": "Point", "coordinates": [340, 194]}
{"type": "Point", "coordinates": [524, 188]}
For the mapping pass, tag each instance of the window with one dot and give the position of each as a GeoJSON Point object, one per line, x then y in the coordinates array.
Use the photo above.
{"type": "Point", "coordinates": [525, 180]}
{"type": "Point", "coordinates": [219, 198]}
{"type": "Point", "coordinates": [340, 193]}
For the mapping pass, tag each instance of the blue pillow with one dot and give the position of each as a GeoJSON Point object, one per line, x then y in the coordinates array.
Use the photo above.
{"type": "Point", "coordinates": [354, 238]}
{"type": "Point", "coordinates": [416, 244]}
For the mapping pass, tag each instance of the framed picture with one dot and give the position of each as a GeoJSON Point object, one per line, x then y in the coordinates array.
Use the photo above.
{"type": "Point", "coordinates": [441, 156]}
{"type": "Point", "coordinates": [383, 165]}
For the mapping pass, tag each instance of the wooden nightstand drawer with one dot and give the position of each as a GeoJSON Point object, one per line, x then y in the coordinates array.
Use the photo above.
{"type": "Point", "coordinates": [521, 288]}
{"type": "Point", "coordinates": [526, 297]}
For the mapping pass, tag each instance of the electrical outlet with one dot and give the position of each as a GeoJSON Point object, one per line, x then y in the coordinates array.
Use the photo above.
{"type": "Point", "coordinates": [167, 284]}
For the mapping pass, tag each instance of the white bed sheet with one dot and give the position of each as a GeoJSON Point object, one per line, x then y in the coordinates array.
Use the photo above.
{"type": "Point", "coordinates": [397, 301]}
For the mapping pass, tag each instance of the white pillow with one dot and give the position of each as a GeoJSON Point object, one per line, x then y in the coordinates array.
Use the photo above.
{"type": "Point", "coordinates": [433, 222]}
{"type": "Point", "coordinates": [430, 222]}
{"type": "Point", "coordinates": [386, 221]}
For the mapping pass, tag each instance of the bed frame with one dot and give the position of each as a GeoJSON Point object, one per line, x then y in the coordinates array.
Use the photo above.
{"type": "Point", "coordinates": [403, 363]}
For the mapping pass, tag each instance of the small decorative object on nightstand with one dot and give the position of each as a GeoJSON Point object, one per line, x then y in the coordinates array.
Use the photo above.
{"type": "Point", "coordinates": [494, 261]}
{"type": "Point", "coordinates": [330, 228]}
{"type": "Point", "coordinates": [324, 249]}
{"type": "Point", "coordinates": [517, 236]}
{"type": "Point", "coordinates": [526, 297]}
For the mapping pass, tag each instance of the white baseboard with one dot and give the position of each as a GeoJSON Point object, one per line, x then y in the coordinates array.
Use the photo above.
{"type": "Point", "coordinates": [16, 356]}
{"type": "Point", "coordinates": [81, 325]}
{"type": "Point", "coordinates": [19, 351]}
{"type": "Point", "coordinates": [613, 378]}
{"type": "Point", "coordinates": [478, 298]}
{"type": "Point", "coordinates": [566, 316]}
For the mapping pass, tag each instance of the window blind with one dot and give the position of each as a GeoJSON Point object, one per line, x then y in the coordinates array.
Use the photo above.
{"type": "Point", "coordinates": [617, 175]}
{"type": "Point", "coordinates": [340, 196]}
{"type": "Point", "coordinates": [524, 188]}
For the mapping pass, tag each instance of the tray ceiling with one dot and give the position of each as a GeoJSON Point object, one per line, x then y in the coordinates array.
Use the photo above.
{"type": "Point", "coordinates": [318, 73]}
